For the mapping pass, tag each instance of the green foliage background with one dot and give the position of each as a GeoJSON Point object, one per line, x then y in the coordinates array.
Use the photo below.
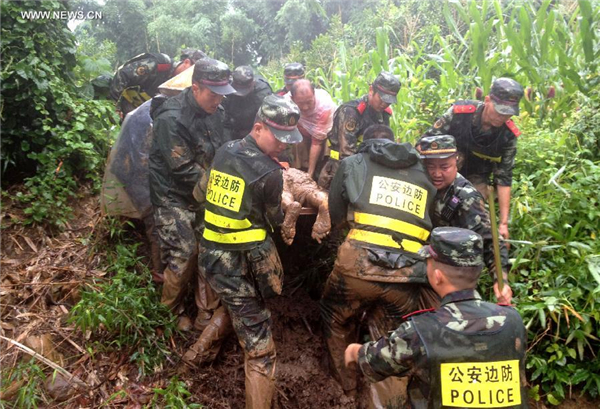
{"type": "Point", "coordinates": [55, 137]}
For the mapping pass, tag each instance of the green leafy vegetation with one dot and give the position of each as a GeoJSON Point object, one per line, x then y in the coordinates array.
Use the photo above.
{"type": "Point", "coordinates": [175, 395]}
{"type": "Point", "coordinates": [125, 313]}
{"type": "Point", "coordinates": [28, 378]}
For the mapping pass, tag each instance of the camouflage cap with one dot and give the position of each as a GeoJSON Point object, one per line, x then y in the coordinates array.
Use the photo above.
{"type": "Point", "coordinates": [292, 72]}
{"type": "Point", "coordinates": [506, 94]}
{"type": "Point", "coordinates": [455, 246]}
{"type": "Point", "coordinates": [387, 86]}
{"type": "Point", "coordinates": [243, 80]}
{"type": "Point", "coordinates": [436, 147]}
{"type": "Point", "coordinates": [281, 116]}
{"type": "Point", "coordinates": [213, 74]}
{"type": "Point", "coordinates": [190, 53]}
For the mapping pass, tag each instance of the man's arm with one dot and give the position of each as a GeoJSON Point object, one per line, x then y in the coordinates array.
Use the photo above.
{"type": "Point", "coordinates": [174, 147]}
{"type": "Point", "coordinates": [316, 147]}
{"type": "Point", "coordinates": [272, 187]}
{"type": "Point", "coordinates": [349, 125]}
{"type": "Point", "coordinates": [503, 177]}
{"type": "Point", "coordinates": [389, 356]}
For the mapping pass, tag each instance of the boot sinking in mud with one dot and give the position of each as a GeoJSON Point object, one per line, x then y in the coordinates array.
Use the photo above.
{"type": "Point", "coordinates": [208, 345]}
{"type": "Point", "coordinates": [299, 190]}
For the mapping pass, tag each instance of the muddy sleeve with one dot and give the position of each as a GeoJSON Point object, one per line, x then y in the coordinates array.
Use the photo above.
{"type": "Point", "coordinates": [172, 141]}
{"type": "Point", "coordinates": [348, 131]}
{"type": "Point", "coordinates": [503, 173]}
{"type": "Point", "coordinates": [393, 355]}
{"type": "Point", "coordinates": [338, 199]}
{"type": "Point", "coordinates": [272, 187]}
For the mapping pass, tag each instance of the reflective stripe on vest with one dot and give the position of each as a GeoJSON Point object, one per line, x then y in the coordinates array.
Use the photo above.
{"type": "Point", "coordinates": [246, 236]}
{"type": "Point", "coordinates": [226, 222]}
{"type": "Point", "coordinates": [385, 222]}
{"type": "Point", "coordinates": [384, 240]}
{"type": "Point", "coordinates": [496, 159]}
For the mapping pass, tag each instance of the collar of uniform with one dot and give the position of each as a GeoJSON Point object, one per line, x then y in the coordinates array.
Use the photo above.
{"type": "Point", "coordinates": [191, 101]}
{"type": "Point", "coordinates": [462, 295]}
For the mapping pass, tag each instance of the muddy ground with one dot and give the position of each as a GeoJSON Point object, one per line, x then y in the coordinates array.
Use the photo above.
{"type": "Point", "coordinates": [41, 277]}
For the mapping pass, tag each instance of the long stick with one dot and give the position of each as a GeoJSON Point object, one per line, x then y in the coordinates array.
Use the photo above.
{"type": "Point", "coordinates": [70, 377]}
{"type": "Point", "coordinates": [495, 240]}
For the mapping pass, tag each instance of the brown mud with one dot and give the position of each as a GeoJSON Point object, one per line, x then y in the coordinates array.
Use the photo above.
{"type": "Point", "coordinates": [40, 283]}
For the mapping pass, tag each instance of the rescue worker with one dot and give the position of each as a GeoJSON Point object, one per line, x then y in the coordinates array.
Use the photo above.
{"type": "Point", "coordinates": [467, 353]}
{"type": "Point", "coordinates": [384, 193]}
{"type": "Point", "coordinates": [180, 155]}
{"type": "Point", "coordinates": [291, 73]}
{"type": "Point", "coordinates": [243, 204]}
{"type": "Point", "coordinates": [241, 107]}
{"type": "Point", "coordinates": [486, 139]}
{"type": "Point", "coordinates": [459, 204]}
{"type": "Point", "coordinates": [138, 79]}
{"type": "Point", "coordinates": [352, 118]}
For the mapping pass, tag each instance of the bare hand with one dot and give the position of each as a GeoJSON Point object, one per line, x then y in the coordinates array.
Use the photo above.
{"type": "Point", "coordinates": [351, 354]}
{"type": "Point", "coordinates": [504, 297]}
{"type": "Point", "coordinates": [503, 230]}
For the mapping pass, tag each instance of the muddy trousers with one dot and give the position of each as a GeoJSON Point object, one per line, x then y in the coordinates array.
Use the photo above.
{"type": "Point", "coordinates": [178, 230]}
{"type": "Point", "coordinates": [349, 293]}
{"type": "Point", "coordinates": [228, 274]}
{"type": "Point", "coordinates": [154, 243]}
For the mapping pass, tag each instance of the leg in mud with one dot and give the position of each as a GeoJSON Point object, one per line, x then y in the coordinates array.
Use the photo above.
{"type": "Point", "coordinates": [291, 208]}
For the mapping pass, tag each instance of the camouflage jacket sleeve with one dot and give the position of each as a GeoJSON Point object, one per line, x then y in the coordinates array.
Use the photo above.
{"type": "Point", "coordinates": [442, 125]}
{"type": "Point", "coordinates": [172, 140]}
{"type": "Point", "coordinates": [394, 355]}
{"type": "Point", "coordinates": [504, 170]}
{"type": "Point", "coordinates": [348, 129]}
{"type": "Point", "coordinates": [473, 215]}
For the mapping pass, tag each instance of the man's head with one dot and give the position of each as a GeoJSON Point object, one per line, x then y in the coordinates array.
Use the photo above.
{"type": "Point", "coordinates": [303, 95]}
{"type": "Point", "coordinates": [383, 91]}
{"type": "Point", "coordinates": [440, 158]}
{"type": "Point", "coordinates": [454, 259]}
{"type": "Point", "coordinates": [243, 80]}
{"type": "Point", "coordinates": [378, 132]}
{"type": "Point", "coordinates": [291, 73]}
{"type": "Point", "coordinates": [210, 82]}
{"type": "Point", "coordinates": [188, 57]}
{"type": "Point", "coordinates": [502, 102]}
{"type": "Point", "coordinates": [276, 125]}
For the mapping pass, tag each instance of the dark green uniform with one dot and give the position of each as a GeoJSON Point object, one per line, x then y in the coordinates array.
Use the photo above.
{"type": "Point", "coordinates": [138, 80]}
{"type": "Point", "coordinates": [484, 152]}
{"type": "Point", "coordinates": [467, 353]}
{"type": "Point", "coordinates": [385, 194]}
{"type": "Point", "coordinates": [349, 123]}
{"type": "Point", "coordinates": [240, 112]}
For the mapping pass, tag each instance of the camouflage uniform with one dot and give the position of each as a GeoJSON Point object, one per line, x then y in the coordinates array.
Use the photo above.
{"type": "Point", "coordinates": [465, 343]}
{"type": "Point", "coordinates": [460, 204]}
{"type": "Point", "coordinates": [377, 265]}
{"type": "Point", "coordinates": [484, 152]}
{"type": "Point", "coordinates": [292, 72]}
{"type": "Point", "coordinates": [243, 202]}
{"type": "Point", "coordinates": [241, 107]}
{"type": "Point", "coordinates": [138, 79]}
{"type": "Point", "coordinates": [182, 150]}
{"type": "Point", "coordinates": [350, 121]}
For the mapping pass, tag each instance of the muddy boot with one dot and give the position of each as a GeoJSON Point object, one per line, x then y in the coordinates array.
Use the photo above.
{"type": "Point", "coordinates": [207, 347]}
{"type": "Point", "coordinates": [260, 382]}
{"type": "Point", "coordinates": [174, 288]}
{"type": "Point", "coordinates": [206, 299]}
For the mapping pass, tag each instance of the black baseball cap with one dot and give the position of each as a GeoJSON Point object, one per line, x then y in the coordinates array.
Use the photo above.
{"type": "Point", "coordinates": [243, 80]}
{"type": "Point", "coordinates": [387, 86]}
{"type": "Point", "coordinates": [292, 72]}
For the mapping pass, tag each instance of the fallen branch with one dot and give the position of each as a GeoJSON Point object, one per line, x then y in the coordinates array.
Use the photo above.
{"type": "Point", "coordinates": [69, 376]}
